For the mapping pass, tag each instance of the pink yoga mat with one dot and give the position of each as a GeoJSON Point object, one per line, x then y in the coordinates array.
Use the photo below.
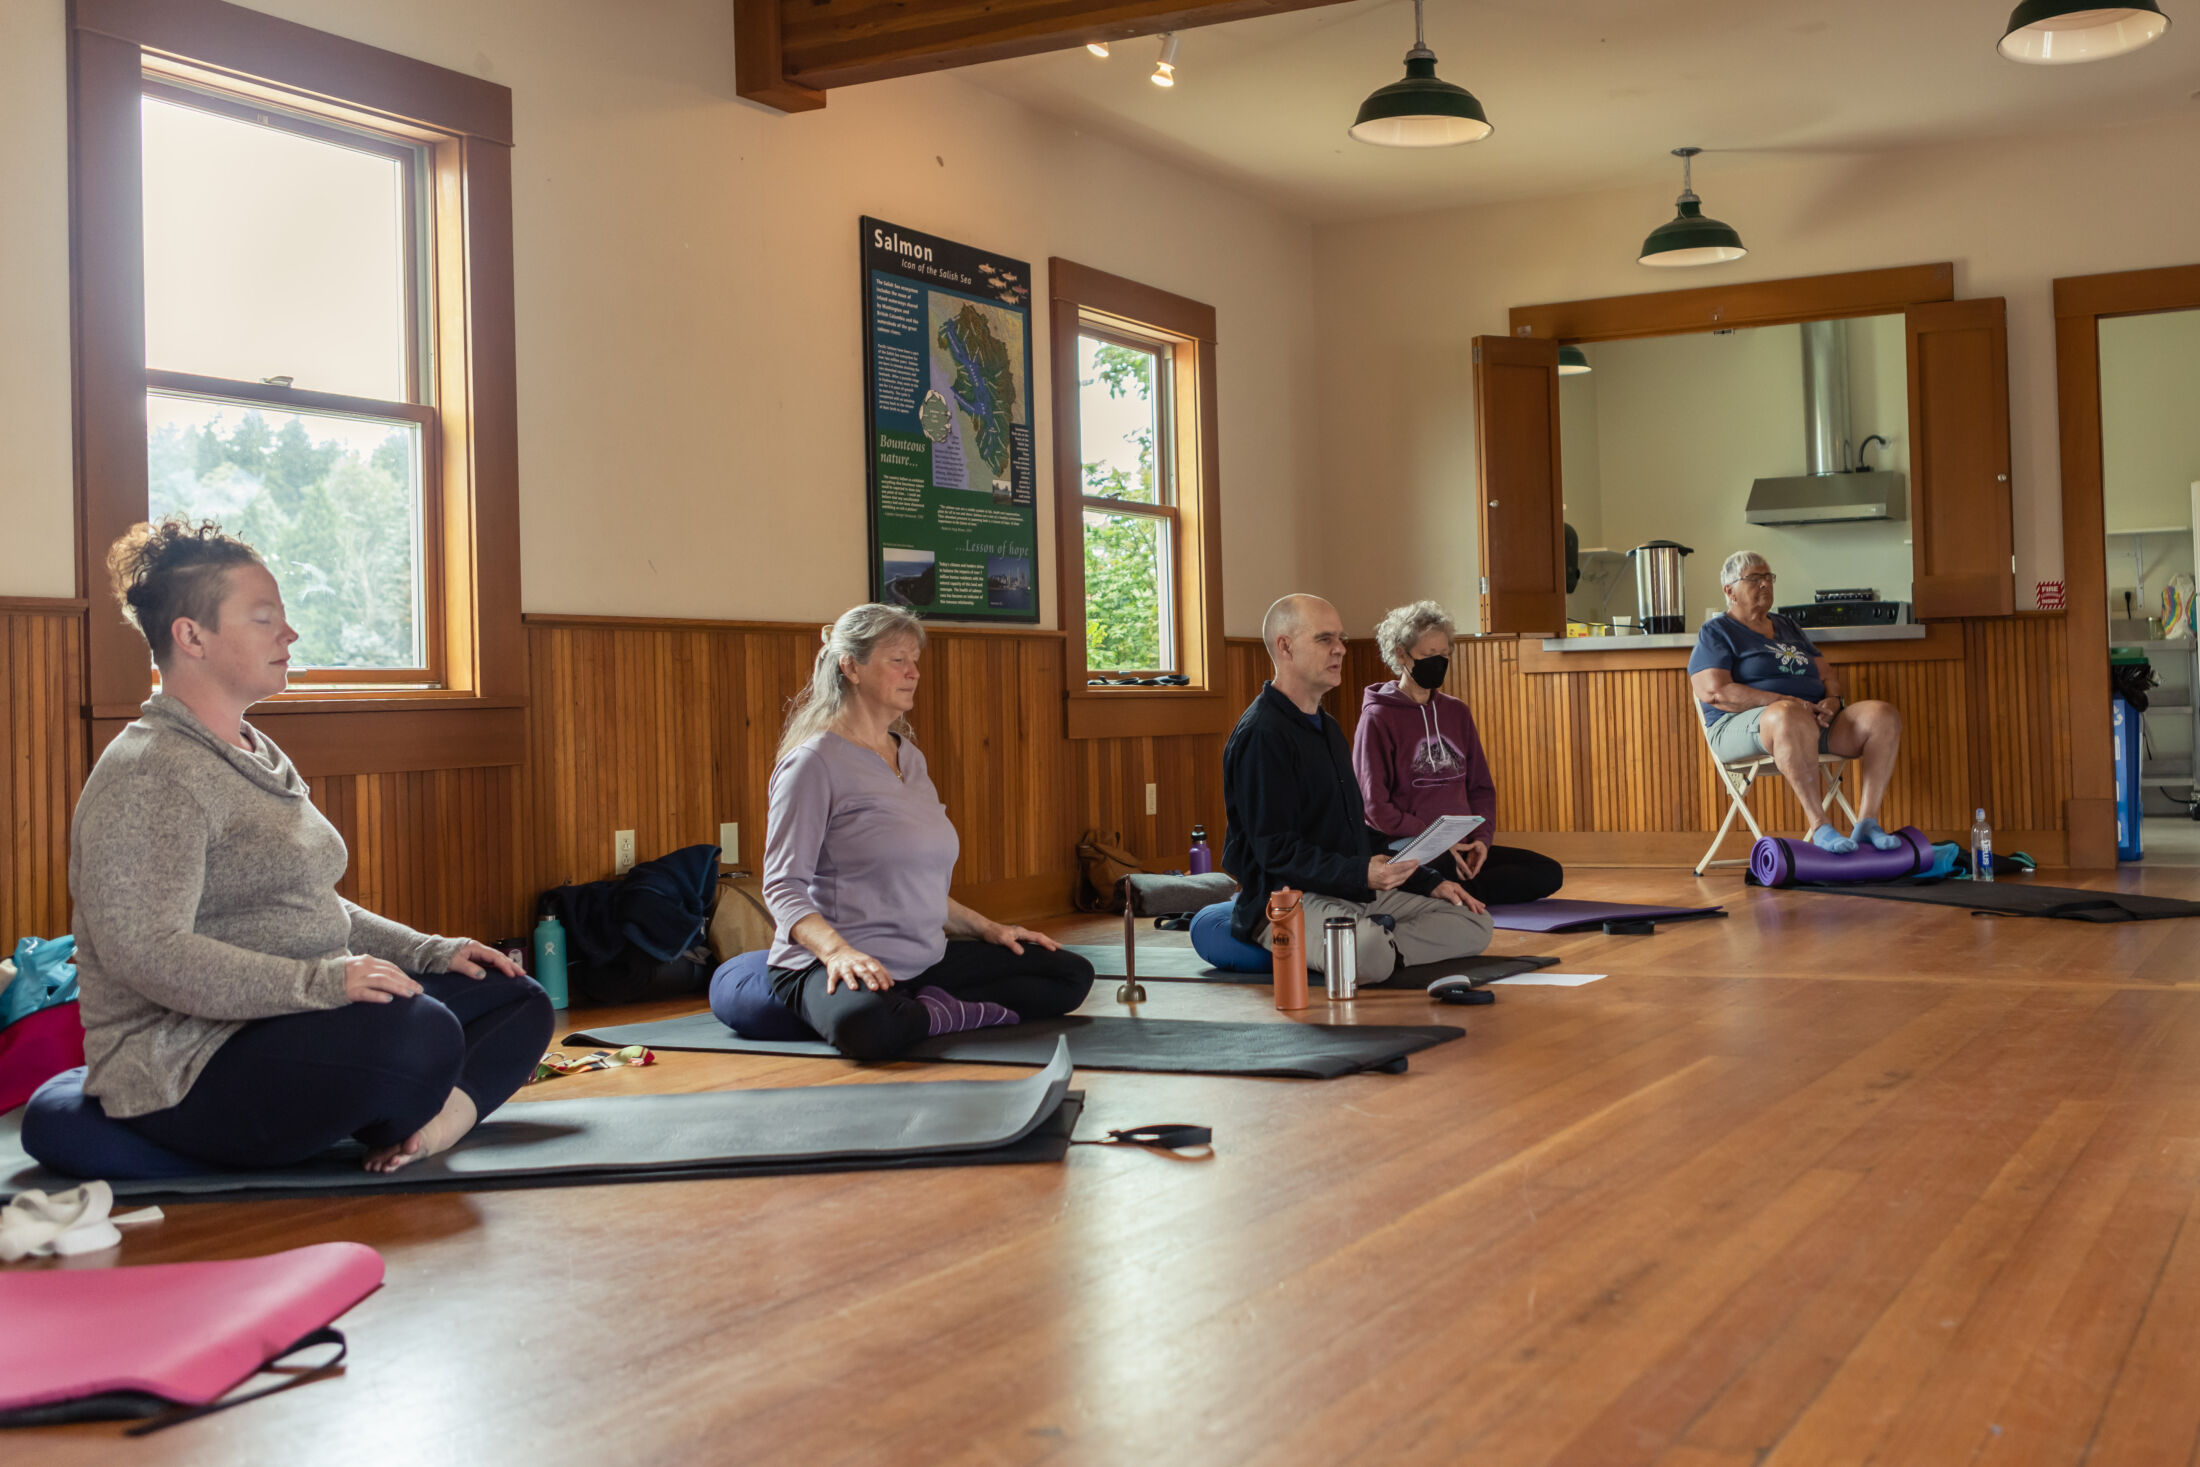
{"type": "Point", "coordinates": [186, 1332]}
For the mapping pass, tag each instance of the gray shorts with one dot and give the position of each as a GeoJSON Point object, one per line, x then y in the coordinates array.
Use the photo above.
{"type": "Point", "coordinates": [1734, 737]}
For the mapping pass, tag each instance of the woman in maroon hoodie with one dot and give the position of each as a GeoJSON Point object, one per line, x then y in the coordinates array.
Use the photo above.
{"type": "Point", "coordinates": [1418, 756]}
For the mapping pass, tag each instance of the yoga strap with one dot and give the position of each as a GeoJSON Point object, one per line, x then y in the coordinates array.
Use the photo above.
{"type": "Point", "coordinates": [326, 1335]}
{"type": "Point", "coordinates": [1163, 1137]}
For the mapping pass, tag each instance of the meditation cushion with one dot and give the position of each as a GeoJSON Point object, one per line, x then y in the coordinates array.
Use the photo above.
{"type": "Point", "coordinates": [36, 1048]}
{"type": "Point", "coordinates": [1212, 940]}
{"type": "Point", "coordinates": [741, 998]}
{"type": "Point", "coordinates": [64, 1129]}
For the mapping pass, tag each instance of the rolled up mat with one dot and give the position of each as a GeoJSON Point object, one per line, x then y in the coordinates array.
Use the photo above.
{"type": "Point", "coordinates": [1778, 861]}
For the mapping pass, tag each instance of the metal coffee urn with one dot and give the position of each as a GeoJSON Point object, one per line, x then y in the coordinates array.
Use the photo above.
{"type": "Point", "coordinates": [1660, 592]}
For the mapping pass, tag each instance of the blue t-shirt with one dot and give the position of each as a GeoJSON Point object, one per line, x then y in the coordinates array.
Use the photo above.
{"type": "Point", "coordinates": [1781, 663]}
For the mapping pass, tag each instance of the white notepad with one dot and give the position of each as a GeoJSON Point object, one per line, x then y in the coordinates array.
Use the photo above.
{"type": "Point", "coordinates": [1443, 833]}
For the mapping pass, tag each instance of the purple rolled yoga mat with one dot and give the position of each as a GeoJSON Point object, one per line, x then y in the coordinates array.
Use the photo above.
{"type": "Point", "coordinates": [1560, 914]}
{"type": "Point", "coordinates": [1778, 861]}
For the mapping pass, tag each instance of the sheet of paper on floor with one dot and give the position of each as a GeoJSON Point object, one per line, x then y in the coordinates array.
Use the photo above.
{"type": "Point", "coordinates": [1551, 980]}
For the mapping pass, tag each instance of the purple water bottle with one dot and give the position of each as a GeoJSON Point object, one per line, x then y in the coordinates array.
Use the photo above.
{"type": "Point", "coordinates": [1203, 860]}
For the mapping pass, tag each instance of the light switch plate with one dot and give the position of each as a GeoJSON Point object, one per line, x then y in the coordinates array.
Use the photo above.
{"type": "Point", "coordinates": [622, 852]}
{"type": "Point", "coordinates": [729, 842]}
{"type": "Point", "coordinates": [1153, 799]}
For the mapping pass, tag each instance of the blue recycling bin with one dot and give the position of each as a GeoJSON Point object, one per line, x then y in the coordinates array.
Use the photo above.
{"type": "Point", "coordinates": [2127, 779]}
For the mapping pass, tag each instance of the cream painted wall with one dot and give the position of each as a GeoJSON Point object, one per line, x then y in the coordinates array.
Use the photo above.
{"type": "Point", "coordinates": [1397, 301]}
{"type": "Point", "coordinates": [689, 319]}
{"type": "Point", "coordinates": [1683, 425]}
{"type": "Point", "coordinates": [2150, 418]}
{"type": "Point", "coordinates": [37, 457]}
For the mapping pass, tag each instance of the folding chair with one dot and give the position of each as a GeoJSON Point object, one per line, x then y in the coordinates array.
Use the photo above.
{"type": "Point", "coordinates": [1738, 776]}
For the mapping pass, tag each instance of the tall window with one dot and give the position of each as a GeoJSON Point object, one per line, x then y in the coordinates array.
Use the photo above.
{"type": "Point", "coordinates": [1138, 507]}
{"type": "Point", "coordinates": [1125, 420]}
{"type": "Point", "coordinates": [292, 289]}
{"type": "Point", "coordinates": [287, 395]}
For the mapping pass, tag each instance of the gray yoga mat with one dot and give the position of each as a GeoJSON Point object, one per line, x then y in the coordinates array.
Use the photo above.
{"type": "Point", "coordinates": [649, 1138]}
{"type": "Point", "coordinates": [1172, 963]}
{"type": "Point", "coordinates": [1158, 1046]}
{"type": "Point", "coordinates": [2021, 899]}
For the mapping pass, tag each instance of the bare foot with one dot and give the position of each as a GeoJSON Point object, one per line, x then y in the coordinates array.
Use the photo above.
{"type": "Point", "coordinates": [440, 1134]}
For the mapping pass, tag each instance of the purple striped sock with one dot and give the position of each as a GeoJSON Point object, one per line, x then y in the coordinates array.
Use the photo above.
{"type": "Point", "coordinates": [948, 1014]}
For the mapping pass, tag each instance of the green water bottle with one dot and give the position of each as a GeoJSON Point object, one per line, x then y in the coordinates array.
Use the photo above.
{"type": "Point", "coordinates": [550, 959]}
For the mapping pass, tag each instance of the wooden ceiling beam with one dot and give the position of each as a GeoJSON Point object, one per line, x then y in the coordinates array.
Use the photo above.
{"type": "Point", "coordinates": [789, 53]}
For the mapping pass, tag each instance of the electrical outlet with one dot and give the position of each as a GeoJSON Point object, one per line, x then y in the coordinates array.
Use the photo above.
{"type": "Point", "coordinates": [622, 852]}
{"type": "Point", "coordinates": [1153, 799]}
{"type": "Point", "coordinates": [729, 842]}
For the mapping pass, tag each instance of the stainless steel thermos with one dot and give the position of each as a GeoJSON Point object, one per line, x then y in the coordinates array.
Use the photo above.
{"type": "Point", "coordinates": [1341, 957]}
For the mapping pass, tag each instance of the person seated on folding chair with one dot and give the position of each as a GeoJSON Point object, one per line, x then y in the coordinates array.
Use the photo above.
{"type": "Point", "coordinates": [1294, 818]}
{"type": "Point", "coordinates": [1765, 689]}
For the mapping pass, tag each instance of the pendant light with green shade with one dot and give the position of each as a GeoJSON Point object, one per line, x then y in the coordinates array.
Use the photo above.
{"type": "Point", "coordinates": [1689, 238]}
{"type": "Point", "coordinates": [1573, 362]}
{"type": "Point", "coordinates": [1420, 111]}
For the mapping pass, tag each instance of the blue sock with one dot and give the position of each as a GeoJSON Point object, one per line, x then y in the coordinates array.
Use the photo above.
{"type": "Point", "coordinates": [1826, 838]}
{"type": "Point", "coordinates": [1868, 829]}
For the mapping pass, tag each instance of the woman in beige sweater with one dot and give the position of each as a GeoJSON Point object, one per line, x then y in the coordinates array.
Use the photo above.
{"type": "Point", "coordinates": [237, 1011]}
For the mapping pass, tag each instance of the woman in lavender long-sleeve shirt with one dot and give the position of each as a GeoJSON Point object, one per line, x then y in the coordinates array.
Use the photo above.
{"type": "Point", "coordinates": [870, 949]}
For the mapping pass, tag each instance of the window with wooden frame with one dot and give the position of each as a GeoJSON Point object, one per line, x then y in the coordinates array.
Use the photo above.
{"type": "Point", "coordinates": [294, 316]}
{"type": "Point", "coordinates": [286, 395]}
{"type": "Point", "coordinates": [1137, 498]}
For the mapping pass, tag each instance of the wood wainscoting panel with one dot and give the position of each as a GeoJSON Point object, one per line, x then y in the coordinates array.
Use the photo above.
{"type": "Point", "coordinates": [1618, 750]}
{"type": "Point", "coordinates": [438, 850]}
{"type": "Point", "coordinates": [668, 729]}
{"type": "Point", "coordinates": [44, 747]}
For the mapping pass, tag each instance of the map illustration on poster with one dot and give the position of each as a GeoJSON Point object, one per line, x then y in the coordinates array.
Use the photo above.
{"type": "Point", "coordinates": [947, 409]}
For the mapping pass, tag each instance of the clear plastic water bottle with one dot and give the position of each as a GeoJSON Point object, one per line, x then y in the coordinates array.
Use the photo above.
{"type": "Point", "coordinates": [1982, 848]}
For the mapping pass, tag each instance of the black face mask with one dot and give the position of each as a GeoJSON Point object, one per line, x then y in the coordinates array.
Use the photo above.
{"type": "Point", "coordinates": [1429, 671]}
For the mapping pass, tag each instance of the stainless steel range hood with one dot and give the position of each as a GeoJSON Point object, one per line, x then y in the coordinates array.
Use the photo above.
{"type": "Point", "coordinates": [1834, 489]}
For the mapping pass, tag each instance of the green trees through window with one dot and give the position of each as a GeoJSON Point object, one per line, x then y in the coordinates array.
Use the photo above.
{"type": "Point", "coordinates": [1127, 576]}
{"type": "Point", "coordinates": [329, 502]}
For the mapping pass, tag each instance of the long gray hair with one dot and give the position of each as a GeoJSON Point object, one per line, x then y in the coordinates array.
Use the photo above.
{"type": "Point", "coordinates": [856, 637]}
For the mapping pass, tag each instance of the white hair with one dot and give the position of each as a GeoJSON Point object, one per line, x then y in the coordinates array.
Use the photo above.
{"type": "Point", "coordinates": [1396, 633]}
{"type": "Point", "coordinates": [856, 637]}
{"type": "Point", "coordinates": [1737, 565]}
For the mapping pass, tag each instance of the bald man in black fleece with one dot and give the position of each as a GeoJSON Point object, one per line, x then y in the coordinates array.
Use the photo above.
{"type": "Point", "coordinates": [1295, 817]}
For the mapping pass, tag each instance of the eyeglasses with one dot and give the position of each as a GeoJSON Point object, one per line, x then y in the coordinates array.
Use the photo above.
{"type": "Point", "coordinates": [1761, 578]}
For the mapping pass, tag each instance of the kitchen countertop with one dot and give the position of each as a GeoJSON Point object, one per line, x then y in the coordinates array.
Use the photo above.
{"type": "Point", "coordinates": [1906, 631]}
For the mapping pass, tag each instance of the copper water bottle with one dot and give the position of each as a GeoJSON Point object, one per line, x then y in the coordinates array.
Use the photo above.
{"type": "Point", "coordinates": [1287, 937]}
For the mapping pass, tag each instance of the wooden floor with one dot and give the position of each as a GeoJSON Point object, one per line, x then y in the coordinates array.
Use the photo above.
{"type": "Point", "coordinates": [1831, 1181]}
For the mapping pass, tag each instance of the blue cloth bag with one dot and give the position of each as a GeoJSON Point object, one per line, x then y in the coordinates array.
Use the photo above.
{"type": "Point", "coordinates": [44, 976]}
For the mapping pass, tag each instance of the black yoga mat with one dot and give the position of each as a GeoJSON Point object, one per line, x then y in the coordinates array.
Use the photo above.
{"type": "Point", "coordinates": [1563, 914]}
{"type": "Point", "coordinates": [1172, 963]}
{"type": "Point", "coordinates": [1158, 1046]}
{"type": "Point", "coordinates": [2022, 899]}
{"type": "Point", "coordinates": [658, 1138]}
